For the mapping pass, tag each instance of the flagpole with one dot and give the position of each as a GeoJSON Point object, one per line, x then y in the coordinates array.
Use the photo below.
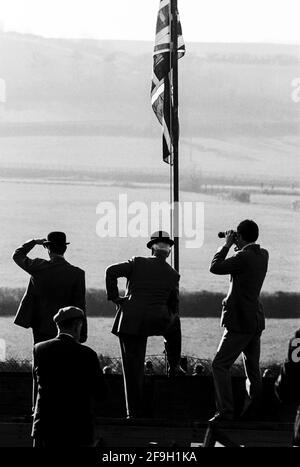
{"type": "Point", "coordinates": [175, 136]}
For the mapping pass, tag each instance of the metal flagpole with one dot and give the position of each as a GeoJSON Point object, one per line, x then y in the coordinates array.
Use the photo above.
{"type": "Point", "coordinates": [174, 129]}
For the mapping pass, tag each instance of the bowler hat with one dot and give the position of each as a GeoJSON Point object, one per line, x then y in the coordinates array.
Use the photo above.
{"type": "Point", "coordinates": [69, 312]}
{"type": "Point", "coordinates": [160, 236]}
{"type": "Point", "coordinates": [56, 238]}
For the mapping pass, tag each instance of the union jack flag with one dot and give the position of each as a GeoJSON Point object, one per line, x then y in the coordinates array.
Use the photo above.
{"type": "Point", "coordinates": [161, 88]}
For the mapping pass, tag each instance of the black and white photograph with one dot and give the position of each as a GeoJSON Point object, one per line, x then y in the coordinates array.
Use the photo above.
{"type": "Point", "coordinates": [150, 218]}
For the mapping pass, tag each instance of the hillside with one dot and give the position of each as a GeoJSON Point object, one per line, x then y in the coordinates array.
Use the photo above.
{"type": "Point", "coordinates": [225, 89]}
{"type": "Point", "coordinates": [87, 104]}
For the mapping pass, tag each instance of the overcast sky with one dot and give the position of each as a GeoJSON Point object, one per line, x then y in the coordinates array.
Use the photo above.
{"type": "Point", "coordinates": [202, 20]}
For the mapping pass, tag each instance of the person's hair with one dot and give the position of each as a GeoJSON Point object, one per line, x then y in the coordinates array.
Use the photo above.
{"type": "Point", "coordinates": [153, 250]}
{"type": "Point", "coordinates": [68, 323]}
{"type": "Point", "coordinates": [57, 249]}
{"type": "Point", "coordinates": [248, 230]}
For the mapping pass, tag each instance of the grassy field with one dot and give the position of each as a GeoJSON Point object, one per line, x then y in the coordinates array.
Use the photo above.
{"type": "Point", "coordinates": [262, 159]}
{"type": "Point", "coordinates": [200, 338]}
{"type": "Point", "coordinates": [33, 209]}
{"type": "Point", "coordinates": [238, 125]}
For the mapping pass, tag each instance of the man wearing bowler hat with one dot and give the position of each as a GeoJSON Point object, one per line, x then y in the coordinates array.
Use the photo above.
{"type": "Point", "coordinates": [149, 308]}
{"type": "Point", "coordinates": [70, 386]}
{"type": "Point", "coordinates": [53, 284]}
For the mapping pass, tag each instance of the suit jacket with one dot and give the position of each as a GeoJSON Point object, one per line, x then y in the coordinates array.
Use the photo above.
{"type": "Point", "coordinates": [242, 310]}
{"type": "Point", "coordinates": [53, 284]}
{"type": "Point", "coordinates": [151, 301]}
{"type": "Point", "coordinates": [287, 385]}
{"type": "Point", "coordinates": [70, 384]}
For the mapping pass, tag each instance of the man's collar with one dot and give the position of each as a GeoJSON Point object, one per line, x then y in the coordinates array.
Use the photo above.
{"type": "Point", "coordinates": [251, 245]}
{"type": "Point", "coordinates": [159, 257]}
{"type": "Point", "coordinates": [61, 334]}
{"type": "Point", "coordinates": [57, 258]}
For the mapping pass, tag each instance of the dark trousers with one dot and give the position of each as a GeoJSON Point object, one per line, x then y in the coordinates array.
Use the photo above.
{"type": "Point", "coordinates": [37, 337]}
{"type": "Point", "coordinates": [296, 441]}
{"type": "Point", "coordinates": [133, 351]}
{"type": "Point", "coordinates": [231, 346]}
{"type": "Point", "coordinates": [62, 442]}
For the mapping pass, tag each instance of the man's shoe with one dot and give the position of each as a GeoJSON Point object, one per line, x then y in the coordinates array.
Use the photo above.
{"type": "Point", "coordinates": [221, 417]}
{"type": "Point", "coordinates": [176, 371]}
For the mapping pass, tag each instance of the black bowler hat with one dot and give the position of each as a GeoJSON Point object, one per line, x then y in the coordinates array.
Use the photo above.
{"type": "Point", "coordinates": [56, 238]}
{"type": "Point", "coordinates": [160, 236]}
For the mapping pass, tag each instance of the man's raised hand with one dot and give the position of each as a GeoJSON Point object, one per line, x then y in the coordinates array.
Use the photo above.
{"type": "Point", "coordinates": [40, 241]}
{"type": "Point", "coordinates": [229, 238]}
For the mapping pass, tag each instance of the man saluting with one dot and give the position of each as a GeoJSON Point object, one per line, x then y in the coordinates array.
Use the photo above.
{"type": "Point", "coordinates": [149, 308]}
{"type": "Point", "coordinates": [53, 284]}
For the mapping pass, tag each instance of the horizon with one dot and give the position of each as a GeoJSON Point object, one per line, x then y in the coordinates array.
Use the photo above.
{"type": "Point", "coordinates": [210, 21]}
{"type": "Point", "coordinates": [83, 38]}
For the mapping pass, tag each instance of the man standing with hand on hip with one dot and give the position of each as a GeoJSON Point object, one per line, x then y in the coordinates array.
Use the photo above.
{"type": "Point", "coordinates": [242, 316]}
{"type": "Point", "coordinates": [149, 308]}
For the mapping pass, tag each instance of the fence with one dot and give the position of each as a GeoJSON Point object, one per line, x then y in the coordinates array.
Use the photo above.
{"type": "Point", "coordinates": [157, 364]}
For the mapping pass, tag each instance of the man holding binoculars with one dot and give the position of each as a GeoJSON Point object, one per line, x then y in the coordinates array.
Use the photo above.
{"type": "Point", "coordinates": [242, 316]}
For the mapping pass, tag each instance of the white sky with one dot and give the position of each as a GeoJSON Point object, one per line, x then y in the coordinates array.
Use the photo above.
{"type": "Point", "coordinates": [202, 20]}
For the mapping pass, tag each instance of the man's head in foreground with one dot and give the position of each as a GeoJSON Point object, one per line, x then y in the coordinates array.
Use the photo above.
{"type": "Point", "coordinates": [69, 320]}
